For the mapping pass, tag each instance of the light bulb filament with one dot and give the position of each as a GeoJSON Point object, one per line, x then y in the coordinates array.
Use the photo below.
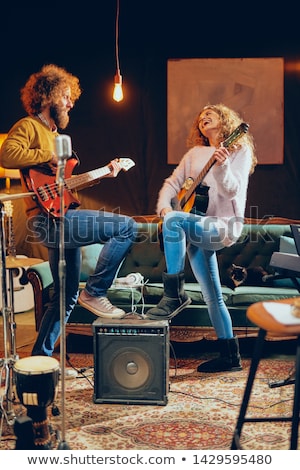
{"type": "Point", "coordinates": [118, 91]}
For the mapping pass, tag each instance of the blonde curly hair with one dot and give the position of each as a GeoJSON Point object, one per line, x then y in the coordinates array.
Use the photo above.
{"type": "Point", "coordinates": [230, 120]}
{"type": "Point", "coordinates": [46, 86]}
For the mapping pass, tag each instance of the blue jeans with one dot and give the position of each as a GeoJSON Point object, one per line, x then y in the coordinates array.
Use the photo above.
{"type": "Point", "coordinates": [198, 237]}
{"type": "Point", "coordinates": [81, 227]}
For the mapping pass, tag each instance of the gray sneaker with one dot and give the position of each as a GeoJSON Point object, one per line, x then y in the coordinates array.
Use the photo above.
{"type": "Point", "coordinates": [100, 306]}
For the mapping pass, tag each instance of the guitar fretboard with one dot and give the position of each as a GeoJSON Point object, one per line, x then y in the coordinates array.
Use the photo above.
{"type": "Point", "coordinates": [83, 180]}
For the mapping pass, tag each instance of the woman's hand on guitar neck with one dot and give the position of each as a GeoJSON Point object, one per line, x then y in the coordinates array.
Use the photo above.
{"type": "Point", "coordinates": [221, 154]}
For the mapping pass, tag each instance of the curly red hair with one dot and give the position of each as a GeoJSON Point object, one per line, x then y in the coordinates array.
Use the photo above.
{"type": "Point", "coordinates": [46, 86]}
{"type": "Point", "coordinates": [230, 120]}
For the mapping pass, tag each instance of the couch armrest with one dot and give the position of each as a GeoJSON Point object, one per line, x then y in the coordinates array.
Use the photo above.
{"type": "Point", "coordinates": [40, 277]}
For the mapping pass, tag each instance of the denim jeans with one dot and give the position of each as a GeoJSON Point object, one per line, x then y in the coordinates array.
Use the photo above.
{"type": "Point", "coordinates": [198, 237]}
{"type": "Point", "coordinates": [81, 227]}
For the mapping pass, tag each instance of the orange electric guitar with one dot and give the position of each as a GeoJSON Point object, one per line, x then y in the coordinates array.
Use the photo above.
{"type": "Point", "coordinates": [42, 181]}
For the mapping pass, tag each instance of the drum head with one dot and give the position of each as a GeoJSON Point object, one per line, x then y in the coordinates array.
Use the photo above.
{"type": "Point", "coordinates": [36, 379]}
{"type": "Point", "coordinates": [36, 365]}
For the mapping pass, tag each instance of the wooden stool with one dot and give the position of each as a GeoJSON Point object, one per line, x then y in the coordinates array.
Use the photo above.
{"type": "Point", "coordinates": [267, 324]}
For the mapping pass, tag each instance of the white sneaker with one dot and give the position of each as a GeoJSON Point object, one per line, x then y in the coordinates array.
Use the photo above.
{"type": "Point", "coordinates": [100, 306]}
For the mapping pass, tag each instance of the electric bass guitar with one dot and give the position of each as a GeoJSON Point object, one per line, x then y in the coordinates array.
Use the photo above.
{"type": "Point", "coordinates": [42, 181]}
{"type": "Point", "coordinates": [193, 196]}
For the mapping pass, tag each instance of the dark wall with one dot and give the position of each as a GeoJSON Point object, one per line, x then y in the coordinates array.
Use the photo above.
{"type": "Point", "coordinates": [150, 33]}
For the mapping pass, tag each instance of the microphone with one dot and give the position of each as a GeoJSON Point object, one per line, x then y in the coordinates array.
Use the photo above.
{"type": "Point", "coordinates": [63, 146]}
{"type": "Point", "coordinates": [63, 150]}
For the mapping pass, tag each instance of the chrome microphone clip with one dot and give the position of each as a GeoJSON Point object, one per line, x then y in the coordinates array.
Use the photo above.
{"type": "Point", "coordinates": [63, 149]}
{"type": "Point", "coordinates": [63, 146]}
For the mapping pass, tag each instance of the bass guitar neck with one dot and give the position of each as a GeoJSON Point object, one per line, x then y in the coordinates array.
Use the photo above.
{"type": "Point", "coordinates": [42, 181]}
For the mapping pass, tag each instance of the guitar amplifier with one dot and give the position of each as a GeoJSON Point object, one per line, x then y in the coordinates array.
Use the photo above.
{"type": "Point", "coordinates": [131, 361]}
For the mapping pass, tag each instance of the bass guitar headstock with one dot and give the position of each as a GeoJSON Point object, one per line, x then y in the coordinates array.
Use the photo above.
{"type": "Point", "coordinates": [125, 163]}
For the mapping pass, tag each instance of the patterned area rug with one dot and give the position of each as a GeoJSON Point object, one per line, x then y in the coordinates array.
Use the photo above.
{"type": "Point", "coordinates": [201, 411]}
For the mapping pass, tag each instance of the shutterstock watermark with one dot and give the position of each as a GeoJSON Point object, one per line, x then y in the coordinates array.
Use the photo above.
{"type": "Point", "coordinates": [45, 228]}
{"type": "Point", "coordinates": [84, 227]}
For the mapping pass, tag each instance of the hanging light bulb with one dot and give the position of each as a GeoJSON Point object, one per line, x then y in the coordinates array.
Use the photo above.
{"type": "Point", "coordinates": [118, 91]}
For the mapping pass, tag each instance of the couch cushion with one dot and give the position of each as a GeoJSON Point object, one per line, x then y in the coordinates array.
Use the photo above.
{"type": "Point", "coordinates": [89, 258]}
{"type": "Point", "coordinates": [247, 295]}
{"type": "Point", "coordinates": [154, 291]}
{"type": "Point", "coordinates": [243, 296]}
{"type": "Point", "coordinates": [130, 296]}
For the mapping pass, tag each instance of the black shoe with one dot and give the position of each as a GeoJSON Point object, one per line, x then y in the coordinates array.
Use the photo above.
{"type": "Point", "coordinates": [174, 299]}
{"type": "Point", "coordinates": [229, 359]}
{"type": "Point", "coordinates": [219, 365]}
{"type": "Point", "coordinates": [167, 308]}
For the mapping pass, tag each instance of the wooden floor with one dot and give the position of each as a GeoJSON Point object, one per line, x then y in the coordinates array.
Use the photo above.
{"type": "Point", "coordinates": [24, 332]}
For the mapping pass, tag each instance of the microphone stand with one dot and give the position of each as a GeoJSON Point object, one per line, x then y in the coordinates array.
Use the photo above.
{"type": "Point", "coordinates": [7, 362]}
{"type": "Point", "coordinates": [63, 151]}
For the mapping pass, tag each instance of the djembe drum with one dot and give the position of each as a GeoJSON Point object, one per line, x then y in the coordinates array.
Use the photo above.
{"type": "Point", "coordinates": [36, 380]}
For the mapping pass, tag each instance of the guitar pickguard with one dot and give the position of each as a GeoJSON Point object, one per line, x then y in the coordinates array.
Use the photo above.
{"type": "Point", "coordinates": [197, 202]}
{"type": "Point", "coordinates": [47, 191]}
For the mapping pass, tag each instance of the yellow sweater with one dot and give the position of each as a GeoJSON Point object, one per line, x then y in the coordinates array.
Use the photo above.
{"type": "Point", "coordinates": [29, 143]}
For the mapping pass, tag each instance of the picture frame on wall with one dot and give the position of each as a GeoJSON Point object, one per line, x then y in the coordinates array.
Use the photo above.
{"type": "Point", "coordinates": [254, 87]}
